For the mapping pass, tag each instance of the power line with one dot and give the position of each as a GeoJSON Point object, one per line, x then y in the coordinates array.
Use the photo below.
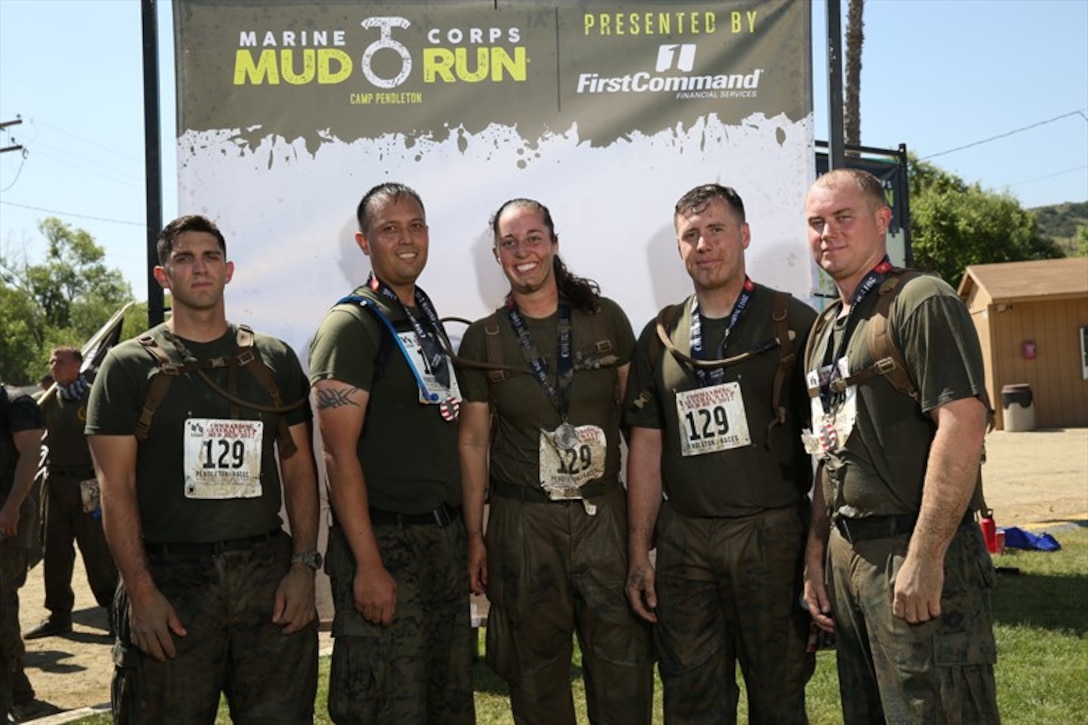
{"type": "Point", "coordinates": [18, 171]}
{"type": "Point", "coordinates": [1005, 135]}
{"type": "Point", "coordinates": [1049, 176]}
{"type": "Point", "coordinates": [72, 214]}
{"type": "Point", "coordinates": [33, 122]}
{"type": "Point", "coordinates": [88, 141]}
{"type": "Point", "coordinates": [86, 166]}
{"type": "Point", "coordinates": [73, 158]}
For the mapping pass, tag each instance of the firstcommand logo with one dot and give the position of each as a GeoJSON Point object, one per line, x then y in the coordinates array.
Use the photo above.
{"type": "Point", "coordinates": [683, 82]}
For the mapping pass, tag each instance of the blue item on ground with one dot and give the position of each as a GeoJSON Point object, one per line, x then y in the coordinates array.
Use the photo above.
{"type": "Point", "coordinates": [1017, 538]}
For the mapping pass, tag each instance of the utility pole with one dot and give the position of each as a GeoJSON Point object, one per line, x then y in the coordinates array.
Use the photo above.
{"type": "Point", "coordinates": [836, 150]}
{"type": "Point", "coordinates": [4, 125]}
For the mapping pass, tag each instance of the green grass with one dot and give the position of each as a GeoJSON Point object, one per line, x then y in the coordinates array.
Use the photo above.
{"type": "Point", "coordinates": [1041, 618]}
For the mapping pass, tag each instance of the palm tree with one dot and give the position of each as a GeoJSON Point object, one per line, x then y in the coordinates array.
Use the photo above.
{"type": "Point", "coordinates": [855, 37]}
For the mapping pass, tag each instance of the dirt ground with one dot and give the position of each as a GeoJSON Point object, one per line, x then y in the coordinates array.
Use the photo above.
{"type": "Point", "coordinates": [1036, 480]}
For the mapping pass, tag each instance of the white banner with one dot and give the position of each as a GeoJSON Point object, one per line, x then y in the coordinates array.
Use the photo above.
{"type": "Point", "coordinates": [606, 113]}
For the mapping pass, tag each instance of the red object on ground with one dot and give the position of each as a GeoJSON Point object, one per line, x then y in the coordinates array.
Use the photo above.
{"type": "Point", "coordinates": [989, 533]}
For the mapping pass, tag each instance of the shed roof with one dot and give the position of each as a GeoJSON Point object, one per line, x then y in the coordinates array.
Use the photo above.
{"type": "Point", "coordinates": [1024, 281]}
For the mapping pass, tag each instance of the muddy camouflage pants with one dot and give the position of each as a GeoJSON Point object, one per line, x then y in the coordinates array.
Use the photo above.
{"type": "Point", "coordinates": [554, 571]}
{"type": "Point", "coordinates": [941, 671]}
{"type": "Point", "coordinates": [728, 593]}
{"type": "Point", "coordinates": [419, 669]}
{"type": "Point", "coordinates": [225, 603]}
{"type": "Point", "coordinates": [17, 687]}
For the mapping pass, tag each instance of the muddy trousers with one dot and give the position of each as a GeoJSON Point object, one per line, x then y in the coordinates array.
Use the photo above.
{"type": "Point", "coordinates": [13, 560]}
{"type": "Point", "coordinates": [419, 668]}
{"type": "Point", "coordinates": [225, 602]}
{"type": "Point", "coordinates": [939, 672]}
{"type": "Point", "coordinates": [555, 571]}
{"type": "Point", "coordinates": [728, 593]}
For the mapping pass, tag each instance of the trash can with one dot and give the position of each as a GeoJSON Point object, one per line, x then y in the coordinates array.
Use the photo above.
{"type": "Point", "coordinates": [1018, 407]}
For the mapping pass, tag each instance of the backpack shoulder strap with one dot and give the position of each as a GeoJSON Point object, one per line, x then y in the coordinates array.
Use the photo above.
{"type": "Point", "coordinates": [249, 359]}
{"type": "Point", "coordinates": [245, 356]}
{"type": "Point", "coordinates": [780, 319]}
{"type": "Point", "coordinates": [369, 302]}
{"type": "Point", "coordinates": [160, 384]}
{"type": "Point", "coordinates": [887, 358]}
{"type": "Point", "coordinates": [493, 347]}
{"type": "Point", "coordinates": [667, 318]}
{"type": "Point", "coordinates": [603, 345]}
{"type": "Point", "coordinates": [881, 340]}
{"type": "Point", "coordinates": [814, 336]}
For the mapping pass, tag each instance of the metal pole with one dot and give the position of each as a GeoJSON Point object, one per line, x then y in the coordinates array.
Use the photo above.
{"type": "Point", "coordinates": [837, 152]}
{"type": "Point", "coordinates": [904, 214]}
{"type": "Point", "coordinates": [152, 156]}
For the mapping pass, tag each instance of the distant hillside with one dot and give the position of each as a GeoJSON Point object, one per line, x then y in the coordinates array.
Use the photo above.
{"type": "Point", "coordinates": [1060, 221]}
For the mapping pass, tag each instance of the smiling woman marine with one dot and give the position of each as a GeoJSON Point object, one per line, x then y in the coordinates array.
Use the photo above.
{"type": "Point", "coordinates": [550, 365]}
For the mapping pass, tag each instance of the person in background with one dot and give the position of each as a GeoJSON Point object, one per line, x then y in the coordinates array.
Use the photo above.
{"type": "Point", "coordinates": [70, 505]}
{"type": "Point", "coordinates": [21, 429]}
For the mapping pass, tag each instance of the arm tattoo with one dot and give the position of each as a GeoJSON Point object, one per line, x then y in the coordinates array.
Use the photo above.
{"type": "Point", "coordinates": [334, 398]}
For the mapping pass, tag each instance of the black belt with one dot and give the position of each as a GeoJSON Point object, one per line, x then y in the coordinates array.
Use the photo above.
{"type": "Point", "coordinates": [441, 517]}
{"type": "Point", "coordinates": [883, 527]}
{"type": "Point", "coordinates": [536, 495]}
{"type": "Point", "coordinates": [211, 548]}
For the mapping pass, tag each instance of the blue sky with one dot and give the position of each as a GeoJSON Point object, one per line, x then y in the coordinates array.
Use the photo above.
{"type": "Point", "coordinates": [937, 75]}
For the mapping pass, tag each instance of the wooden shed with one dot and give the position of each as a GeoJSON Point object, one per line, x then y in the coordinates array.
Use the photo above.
{"type": "Point", "coordinates": [1032, 320]}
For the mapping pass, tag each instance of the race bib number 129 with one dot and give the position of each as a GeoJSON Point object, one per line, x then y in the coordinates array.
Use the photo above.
{"type": "Point", "coordinates": [223, 458]}
{"type": "Point", "coordinates": [712, 419]}
{"type": "Point", "coordinates": [564, 469]}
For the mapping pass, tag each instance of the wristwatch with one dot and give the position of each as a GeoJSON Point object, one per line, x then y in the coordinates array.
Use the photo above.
{"type": "Point", "coordinates": [311, 559]}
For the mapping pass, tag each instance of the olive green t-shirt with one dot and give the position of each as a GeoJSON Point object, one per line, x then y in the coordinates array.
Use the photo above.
{"type": "Point", "coordinates": [64, 423]}
{"type": "Point", "coordinates": [167, 514]}
{"type": "Point", "coordinates": [19, 413]}
{"type": "Point", "coordinates": [521, 406]}
{"type": "Point", "coordinates": [881, 468]}
{"type": "Point", "coordinates": [408, 451]}
{"type": "Point", "coordinates": [772, 470]}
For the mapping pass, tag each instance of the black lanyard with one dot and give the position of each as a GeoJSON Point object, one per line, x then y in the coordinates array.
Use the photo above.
{"type": "Point", "coordinates": [560, 398]}
{"type": "Point", "coordinates": [433, 355]}
{"type": "Point", "coordinates": [714, 376]}
{"type": "Point", "coordinates": [829, 371]}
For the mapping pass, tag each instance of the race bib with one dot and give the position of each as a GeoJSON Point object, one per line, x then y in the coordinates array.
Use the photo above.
{"type": "Point", "coordinates": [831, 429]}
{"type": "Point", "coordinates": [712, 419]}
{"type": "Point", "coordinates": [437, 392]}
{"type": "Point", "coordinates": [566, 466]}
{"type": "Point", "coordinates": [223, 458]}
{"type": "Point", "coordinates": [90, 496]}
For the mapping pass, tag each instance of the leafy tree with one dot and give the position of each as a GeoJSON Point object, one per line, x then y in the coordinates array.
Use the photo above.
{"type": "Point", "coordinates": [955, 224]}
{"type": "Point", "coordinates": [1081, 240]}
{"type": "Point", "coordinates": [20, 345]}
{"type": "Point", "coordinates": [135, 321]}
{"type": "Point", "coordinates": [62, 300]}
{"type": "Point", "coordinates": [1060, 221]}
